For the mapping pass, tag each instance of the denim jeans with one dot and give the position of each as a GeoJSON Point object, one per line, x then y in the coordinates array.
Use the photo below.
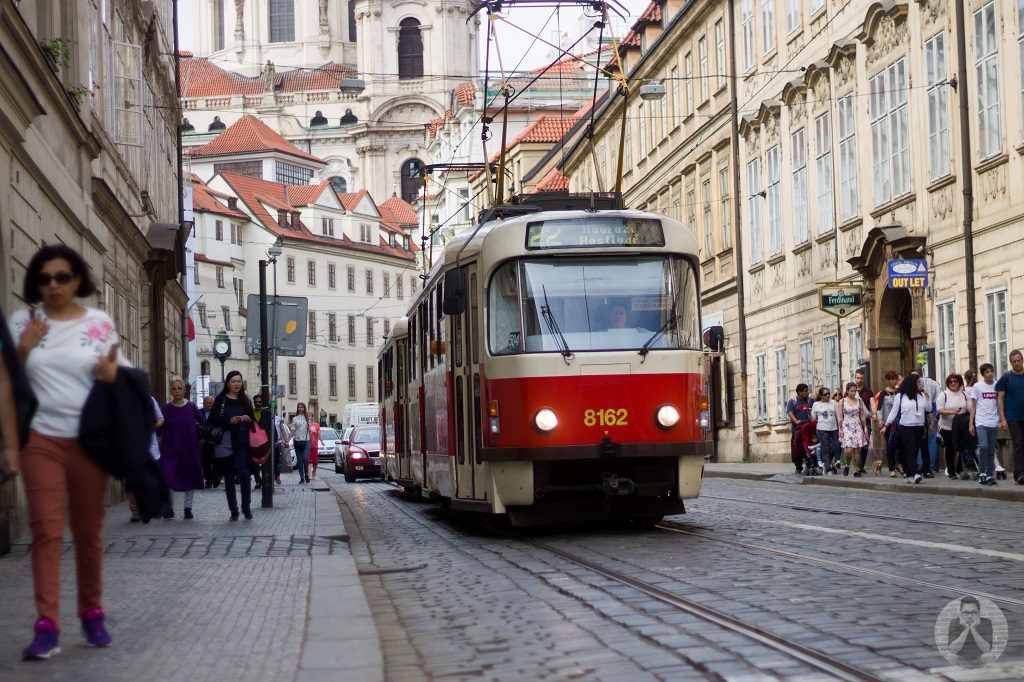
{"type": "Point", "coordinates": [987, 442]}
{"type": "Point", "coordinates": [829, 446]}
{"type": "Point", "coordinates": [302, 459]}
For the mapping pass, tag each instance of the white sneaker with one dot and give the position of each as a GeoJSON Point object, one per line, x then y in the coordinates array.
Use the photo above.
{"type": "Point", "coordinates": [908, 479]}
{"type": "Point", "coordinates": [918, 478]}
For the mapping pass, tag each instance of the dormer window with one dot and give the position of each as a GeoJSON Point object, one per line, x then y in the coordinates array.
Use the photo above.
{"type": "Point", "coordinates": [364, 232]}
{"type": "Point", "coordinates": [295, 220]}
{"type": "Point", "coordinates": [233, 203]}
{"type": "Point", "coordinates": [282, 218]}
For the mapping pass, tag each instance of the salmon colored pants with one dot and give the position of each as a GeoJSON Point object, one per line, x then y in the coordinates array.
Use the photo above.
{"type": "Point", "coordinates": [55, 469]}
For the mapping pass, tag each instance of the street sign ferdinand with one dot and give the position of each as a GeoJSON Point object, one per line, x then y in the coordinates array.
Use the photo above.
{"type": "Point", "coordinates": [840, 299]}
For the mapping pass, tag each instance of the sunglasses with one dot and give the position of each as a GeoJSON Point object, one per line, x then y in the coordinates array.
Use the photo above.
{"type": "Point", "coordinates": [61, 278]}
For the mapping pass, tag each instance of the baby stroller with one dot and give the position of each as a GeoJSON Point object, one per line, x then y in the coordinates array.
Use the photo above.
{"type": "Point", "coordinates": [807, 437]}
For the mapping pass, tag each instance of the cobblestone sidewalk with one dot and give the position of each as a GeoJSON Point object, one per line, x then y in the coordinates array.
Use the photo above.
{"type": "Point", "coordinates": [204, 599]}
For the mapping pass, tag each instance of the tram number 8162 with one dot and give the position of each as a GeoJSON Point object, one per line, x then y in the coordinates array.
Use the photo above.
{"type": "Point", "coordinates": [606, 417]}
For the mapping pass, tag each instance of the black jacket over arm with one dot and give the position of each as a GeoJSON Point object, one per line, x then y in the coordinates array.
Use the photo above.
{"type": "Point", "coordinates": [116, 430]}
{"type": "Point", "coordinates": [24, 397]}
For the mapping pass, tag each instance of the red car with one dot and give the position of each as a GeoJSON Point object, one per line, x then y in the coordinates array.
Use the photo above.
{"type": "Point", "coordinates": [359, 453]}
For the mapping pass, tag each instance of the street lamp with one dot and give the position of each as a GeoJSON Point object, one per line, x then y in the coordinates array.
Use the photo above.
{"type": "Point", "coordinates": [221, 350]}
{"type": "Point", "coordinates": [352, 86]}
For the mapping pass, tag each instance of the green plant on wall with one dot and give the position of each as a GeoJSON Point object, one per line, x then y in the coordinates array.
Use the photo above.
{"type": "Point", "coordinates": [58, 50]}
{"type": "Point", "coordinates": [79, 92]}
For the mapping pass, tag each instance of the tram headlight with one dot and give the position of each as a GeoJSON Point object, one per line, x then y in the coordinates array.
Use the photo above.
{"type": "Point", "coordinates": [668, 416]}
{"type": "Point", "coordinates": [545, 419]}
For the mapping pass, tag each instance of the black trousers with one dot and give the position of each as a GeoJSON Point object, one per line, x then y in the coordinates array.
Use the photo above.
{"type": "Point", "coordinates": [913, 439]}
{"type": "Point", "coordinates": [229, 472]}
{"type": "Point", "coordinates": [209, 464]}
{"type": "Point", "coordinates": [947, 447]}
{"type": "Point", "coordinates": [1017, 436]}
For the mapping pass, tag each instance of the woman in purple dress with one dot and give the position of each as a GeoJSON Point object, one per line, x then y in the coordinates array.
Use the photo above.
{"type": "Point", "coordinates": [180, 457]}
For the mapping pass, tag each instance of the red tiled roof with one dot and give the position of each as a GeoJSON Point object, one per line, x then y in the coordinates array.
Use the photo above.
{"type": "Point", "coordinates": [554, 181]}
{"type": "Point", "coordinates": [248, 135]}
{"type": "Point", "coordinates": [202, 78]}
{"type": "Point", "coordinates": [546, 129]}
{"type": "Point", "coordinates": [326, 77]}
{"type": "Point", "coordinates": [304, 195]}
{"type": "Point", "coordinates": [350, 200]}
{"type": "Point", "coordinates": [465, 93]}
{"type": "Point", "coordinates": [196, 180]}
{"type": "Point", "coordinates": [652, 14]}
{"type": "Point", "coordinates": [203, 199]}
{"type": "Point", "coordinates": [202, 258]}
{"type": "Point", "coordinates": [254, 193]}
{"type": "Point", "coordinates": [396, 211]}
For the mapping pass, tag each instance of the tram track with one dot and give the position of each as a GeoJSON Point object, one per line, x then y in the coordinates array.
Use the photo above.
{"type": "Point", "coordinates": [678, 528]}
{"type": "Point", "coordinates": [863, 514]}
{"type": "Point", "coordinates": [812, 658]}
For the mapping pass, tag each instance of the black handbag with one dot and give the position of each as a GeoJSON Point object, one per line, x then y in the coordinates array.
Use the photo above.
{"type": "Point", "coordinates": [25, 400]}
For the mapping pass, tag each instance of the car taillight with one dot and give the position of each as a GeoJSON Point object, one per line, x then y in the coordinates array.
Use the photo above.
{"type": "Point", "coordinates": [705, 412]}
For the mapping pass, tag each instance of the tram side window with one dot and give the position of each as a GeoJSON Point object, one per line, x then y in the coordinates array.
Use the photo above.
{"type": "Point", "coordinates": [426, 335]}
{"type": "Point", "coordinates": [505, 326]}
{"type": "Point", "coordinates": [413, 345]}
{"type": "Point", "coordinates": [474, 319]}
{"type": "Point", "coordinates": [400, 371]}
{"type": "Point", "coordinates": [439, 325]}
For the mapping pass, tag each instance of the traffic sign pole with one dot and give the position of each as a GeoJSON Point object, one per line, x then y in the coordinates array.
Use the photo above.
{"type": "Point", "coordinates": [267, 500]}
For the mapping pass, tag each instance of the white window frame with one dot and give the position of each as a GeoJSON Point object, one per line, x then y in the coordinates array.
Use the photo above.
{"type": "Point", "coordinates": [688, 83]}
{"type": "Point", "coordinates": [807, 363]}
{"type": "Point", "coordinates": [997, 326]}
{"type": "Point", "coordinates": [674, 83]}
{"type": "Point", "coordinates": [705, 190]}
{"type": "Point", "coordinates": [830, 356]}
{"type": "Point", "coordinates": [749, 37]}
{"type": "Point", "coordinates": [761, 393]}
{"type": "Point", "coordinates": [816, 6]}
{"type": "Point", "coordinates": [854, 348]}
{"type": "Point", "coordinates": [754, 210]}
{"type": "Point", "coordinates": [945, 335]}
{"type": "Point", "coordinates": [702, 67]}
{"type": "Point", "coordinates": [773, 164]}
{"type": "Point", "coordinates": [847, 157]}
{"type": "Point", "coordinates": [725, 207]}
{"type": "Point", "coordinates": [767, 26]}
{"type": "Point", "coordinates": [986, 74]}
{"type": "Point", "coordinates": [799, 165]}
{"type": "Point", "coordinates": [823, 172]}
{"type": "Point", "coordinates": [723, 68]}
{"type": "Point", "coordinates": [642, 122]}
{"type": "Point", "coordinates": [781, 382]}
{"type": "Point", "coordinates": [792, 15]}
{"type": "Point", "coordinates": [890, 132]}
{"type": "Point", "coordinates": [939, 154]}
{"type": "Point", "coordinates": [127, 95]}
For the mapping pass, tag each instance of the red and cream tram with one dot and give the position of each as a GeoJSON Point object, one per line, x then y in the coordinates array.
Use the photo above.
{"type": "Point", "coordinates": [551, 369]}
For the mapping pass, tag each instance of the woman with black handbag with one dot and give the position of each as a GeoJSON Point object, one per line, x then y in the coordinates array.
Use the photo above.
{"type": "Point", "coordinates": [232, 413]}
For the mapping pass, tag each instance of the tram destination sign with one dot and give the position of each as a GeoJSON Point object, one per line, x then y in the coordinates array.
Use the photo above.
{"type": "Point", "coordinates": [594, 232]}
{"type": "Point", "coordinates": [840, 299]}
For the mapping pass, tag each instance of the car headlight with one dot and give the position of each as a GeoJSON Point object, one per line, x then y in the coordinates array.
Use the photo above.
{"type": "Point", "coordinates": [667, 416]}
{"type": "Point", "coordinates": [545, 419]}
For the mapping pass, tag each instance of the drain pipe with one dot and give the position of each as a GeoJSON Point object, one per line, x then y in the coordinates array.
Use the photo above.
{"type": "Point", "coordinates": [966, 181]}
{"type": "Point", "coordinates": [734, 142]}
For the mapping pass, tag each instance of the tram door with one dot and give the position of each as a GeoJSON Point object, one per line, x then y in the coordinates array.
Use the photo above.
{"type": "Point", "coordinates": [465, 363]}
{"type": "Point", "coordinates": [403, 464]}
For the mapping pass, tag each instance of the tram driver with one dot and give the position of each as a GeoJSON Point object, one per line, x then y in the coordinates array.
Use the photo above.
{"type": "Point", "coordinates": [617, 316]}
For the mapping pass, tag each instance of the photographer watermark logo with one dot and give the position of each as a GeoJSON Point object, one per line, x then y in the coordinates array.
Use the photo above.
{"type": "Point", "coordinates": [971, 632]}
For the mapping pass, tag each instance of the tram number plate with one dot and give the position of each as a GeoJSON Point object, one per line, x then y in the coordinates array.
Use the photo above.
{"type": "Point", "coordinates": [607, 417]}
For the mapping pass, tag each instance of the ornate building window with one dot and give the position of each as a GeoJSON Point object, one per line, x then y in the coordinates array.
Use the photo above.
{"type": "Point", "coordinates": [754, 209]}
{"type": "Point", "coordinates": [799, 187]}
{"type": "Point", "coordinates": [218, 25]}
{"type": "Point", "coordinates": [823, 168]}
{"type": "Point", "coordinates": [986, 64]}
{"type": "Point", "coordinates": [772, 164]}
{"type": "Point", "coordinates": [847, 158]}
{"type": "Point", "coordinates": [890, 132]}
{"type": "Point", "coordinates": [282, 21]}
{"type": "Point", "coordinates": [938, 105]}
{"type": "Point", "coordinates": [410, 49]}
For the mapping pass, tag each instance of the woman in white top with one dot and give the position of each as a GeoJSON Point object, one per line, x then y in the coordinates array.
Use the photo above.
{"type": "Point", "coordinates": [300, 437]}
{"type": "Point", "coordinates": [66, 348]}
{"type": "Point", "coordinates": [910, 413]}
{"type": "Point", "coordinates": [823, 411]}
{"type": "Point", "coordinates": [951, 402]}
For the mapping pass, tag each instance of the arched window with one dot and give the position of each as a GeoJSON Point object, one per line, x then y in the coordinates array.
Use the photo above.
{"type": "Point", "coordinates": [410, 49]}
{"type": "Point", "coordinates": [338, 184]}
{"type": "Point", "coordinates": [412, 179]}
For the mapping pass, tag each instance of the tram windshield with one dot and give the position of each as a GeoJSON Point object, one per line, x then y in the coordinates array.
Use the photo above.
{"type": "Point", "coordinates": [592, 304]}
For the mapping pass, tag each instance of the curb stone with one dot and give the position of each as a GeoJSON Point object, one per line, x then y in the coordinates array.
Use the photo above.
{"type": "Point", "coordinates": [341, 639]}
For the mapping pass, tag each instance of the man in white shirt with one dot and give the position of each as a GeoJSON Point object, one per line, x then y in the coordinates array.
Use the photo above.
{"type": "Point", "coordinates": [985, 422]}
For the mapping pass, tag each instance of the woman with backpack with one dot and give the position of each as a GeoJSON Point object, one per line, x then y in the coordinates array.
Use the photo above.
{"type": "Point", "coordinates": [910, 414]}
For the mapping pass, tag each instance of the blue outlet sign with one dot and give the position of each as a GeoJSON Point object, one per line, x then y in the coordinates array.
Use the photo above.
{"type": "Point", "coordinates": [908, 274]}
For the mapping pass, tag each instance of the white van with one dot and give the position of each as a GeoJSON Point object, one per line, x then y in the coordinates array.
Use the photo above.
{"type": "Point", "coordinates": [359, 414]}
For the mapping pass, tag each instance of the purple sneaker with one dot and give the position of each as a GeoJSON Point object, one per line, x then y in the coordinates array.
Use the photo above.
{"type": "Point", "coordinates": [44, 644]}
{"type": "Point", "coordinates": [93, 628]}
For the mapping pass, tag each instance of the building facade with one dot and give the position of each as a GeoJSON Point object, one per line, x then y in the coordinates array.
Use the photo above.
{"type": "Point", "coordinates": [831, 181]}
{"type": "Point", "coordinates": [78, 166]}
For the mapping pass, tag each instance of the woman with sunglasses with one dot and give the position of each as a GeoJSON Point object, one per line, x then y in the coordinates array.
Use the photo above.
{"type": "Point", "coordinates": [950, 403]}
{"type": "Point", "coordinates": [66, 347]}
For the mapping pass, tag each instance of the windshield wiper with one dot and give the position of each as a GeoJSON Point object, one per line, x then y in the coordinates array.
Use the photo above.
{"type": "Point", "coordinates": [646, 348]}
{"type": "Point", "coordinates": [549, 319]}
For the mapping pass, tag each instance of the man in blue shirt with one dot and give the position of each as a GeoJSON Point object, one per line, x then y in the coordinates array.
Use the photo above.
{"type": "Point", "coordinates": [1010, 400]}
{"type": "Point", "coordinates": [798, 410]}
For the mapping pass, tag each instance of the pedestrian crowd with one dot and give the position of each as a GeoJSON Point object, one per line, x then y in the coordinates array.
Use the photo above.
{"type": "Point", "coordinates": [83, 414]}
{"type": "Point", "coordinates": [912, 414]}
